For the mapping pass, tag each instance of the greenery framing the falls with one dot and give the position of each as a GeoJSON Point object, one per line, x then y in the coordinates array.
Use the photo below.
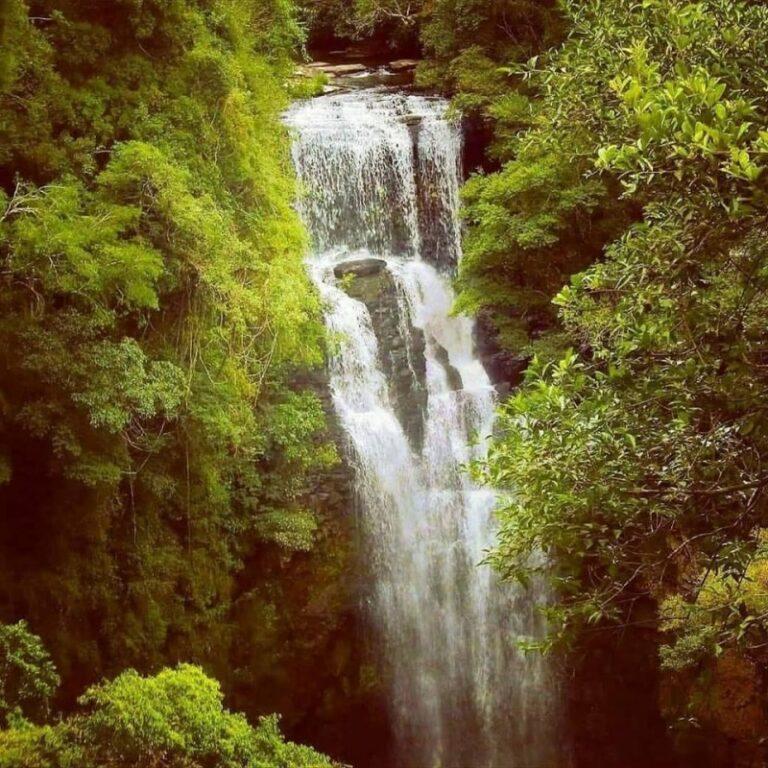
{"type": "Point", "coordinates": [155, 446]}
{"type": "Point", "coordinates": [174, 719]}
{"type": "Point", "coordinates": [171, 496]}
{"type": "Point", "coordinates": [635, 461]}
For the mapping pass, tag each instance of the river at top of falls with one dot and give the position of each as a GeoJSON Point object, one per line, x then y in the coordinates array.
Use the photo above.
{"type": "Point", "coordinates": [379, 174]}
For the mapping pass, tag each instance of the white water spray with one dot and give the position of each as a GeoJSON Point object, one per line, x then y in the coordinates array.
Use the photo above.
{"type": "Point", "coordinates": [380, 173]}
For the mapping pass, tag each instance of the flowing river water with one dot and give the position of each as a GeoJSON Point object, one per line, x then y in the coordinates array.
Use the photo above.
{"type": "Point", "coordinates": [380, 173]}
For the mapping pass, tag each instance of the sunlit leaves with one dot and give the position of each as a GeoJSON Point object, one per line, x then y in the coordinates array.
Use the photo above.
{"type": "Point", "coordinates": [154, 310]}
{"type": "Point", "coordinates": [176, 717]}
{"type": "Point", "coordinates": [28, 678]}
{"type": "Point", "coordinates": [66, 241]}
{"type": "Point", "coordinates": [640, 458]}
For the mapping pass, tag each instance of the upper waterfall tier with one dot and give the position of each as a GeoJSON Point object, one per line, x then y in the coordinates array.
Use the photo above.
{"type": "Point", "coordinates": [381, 172]}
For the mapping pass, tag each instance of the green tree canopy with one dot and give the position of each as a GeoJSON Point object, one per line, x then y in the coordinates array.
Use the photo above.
{"type": "Point", "coordinates": [28, 677]}
{"type": "Point", "coordinates": [636, 463]}
{"type": "Point", "coordinates": [154, 314]}
{"type": "Point", "coordinates": [174, 719]}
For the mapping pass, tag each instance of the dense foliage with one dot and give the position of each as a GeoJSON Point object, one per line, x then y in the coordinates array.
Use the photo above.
{"type": "Point", "coordinates": [468, 44]}
{"type": "Point", "coordinates": [174, 719]}
{"type": "Point", "coordinates": [154, 320]}
{"type": "Point", "coordinates": [638, 460]}
{"type": "Point", "coordinates": [385, 26]}
{"type": "Point", "coordinates": [28, 677]}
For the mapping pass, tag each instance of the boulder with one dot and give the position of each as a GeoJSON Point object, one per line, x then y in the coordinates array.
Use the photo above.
{"type": "Point", "coordinates": [454, 377]}
{"type": "Point", "coordinates": [401, 349]}
{"type": "Point", "coordinates": [342, 69]}
{"type": "Point", "coordinates": [360, 268]}
{"type": "Point", "coordinates": [402, 65]}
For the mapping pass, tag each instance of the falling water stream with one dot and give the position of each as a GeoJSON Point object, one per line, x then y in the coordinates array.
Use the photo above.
{"type": "Point", "coordinates": [380, 173]}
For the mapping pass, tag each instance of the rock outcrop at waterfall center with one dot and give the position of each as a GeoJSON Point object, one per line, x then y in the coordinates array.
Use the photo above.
{"type": "Point", "coordinates": [359, 268]}
{"type": "Point", "coordinates": [401, 350]}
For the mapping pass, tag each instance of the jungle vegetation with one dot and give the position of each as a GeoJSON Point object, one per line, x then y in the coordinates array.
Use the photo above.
{"type": "Point", "coordinates": [155, 321]}
{"type": "Point", "coordinates": [656, 415]}
{"type": "Point", "coordinates": [620, 246]}
{"type": "Point", "coordinates": [175, 719]}
{"type": "Point", "coordinates": [157, 445]}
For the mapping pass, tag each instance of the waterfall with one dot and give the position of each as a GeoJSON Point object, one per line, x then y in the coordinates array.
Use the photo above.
{"type": "Point", "coordinates": [380, 174]}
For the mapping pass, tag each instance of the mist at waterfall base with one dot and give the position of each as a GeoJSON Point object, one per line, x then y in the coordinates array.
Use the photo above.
{"type": "Point", "coordinates": [380, 175]}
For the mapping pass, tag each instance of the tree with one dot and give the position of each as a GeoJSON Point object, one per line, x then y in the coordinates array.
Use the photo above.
{"type": "Point", "coordinates": [28, 678]}
{"type": "Point", "coordinates": [174, 719]}
{"type": "Point", "coordinates": [468, 43]}
{"type": "Point", "coordinates": [636, 463]}
{"type": "Point", "coordinates": [154, 314]}
{"type": "Point", "coordinates": [404, 13]}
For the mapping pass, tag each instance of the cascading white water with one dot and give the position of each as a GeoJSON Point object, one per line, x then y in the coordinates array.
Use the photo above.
{"type": "Point", "coordinates": [380, 173]}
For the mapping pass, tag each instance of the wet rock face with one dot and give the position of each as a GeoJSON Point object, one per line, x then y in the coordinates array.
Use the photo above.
{"type": "Point", "coordinates": [333, 695]}
{"type": "Point", "coordinates": [339, 69]}
{"type": "Point", "coordinates": [359, 268]}
{"type": "Point", "coordinates": [402, 65]}
{"type": "Point", "coordinates": [436, 226]}
{"type": "Point", "coordinates": [401, 349]}
{"type": "Point", "coordinates": [345, 75]}
{"type": "Point", "coordinates": [454, 377]}
{"type": "Point", "coordinates": [505, 368]}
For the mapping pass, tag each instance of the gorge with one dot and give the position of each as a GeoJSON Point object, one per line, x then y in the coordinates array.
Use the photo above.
{"type": "Point", "coordinates": [379, 172]}
{"type": "Point", "coordinates": [345, 344]}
